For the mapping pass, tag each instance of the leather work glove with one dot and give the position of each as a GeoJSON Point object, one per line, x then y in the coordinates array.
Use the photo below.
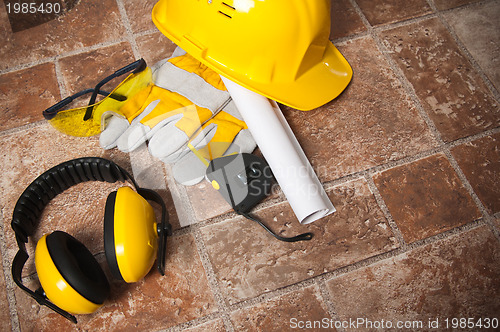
{"type": "Point", "coordinates": [187, 109]}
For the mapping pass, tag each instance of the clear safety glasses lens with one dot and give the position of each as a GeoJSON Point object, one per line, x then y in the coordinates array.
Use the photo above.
{"type": "Point", "coordinates": [89, 120]}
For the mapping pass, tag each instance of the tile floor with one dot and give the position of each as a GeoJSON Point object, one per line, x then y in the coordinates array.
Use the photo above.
{"type": "Point", "coordinates": [409, 154]}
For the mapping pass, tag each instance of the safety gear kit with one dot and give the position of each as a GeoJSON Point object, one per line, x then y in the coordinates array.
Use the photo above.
{"type": "Point", "coordinates": [181, 108]}
{"type": "Point", "coordinates": [188, 119]}
{"type": "Point", "coordinates": [72, 281]}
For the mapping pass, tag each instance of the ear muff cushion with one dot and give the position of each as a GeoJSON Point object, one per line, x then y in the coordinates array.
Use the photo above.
{"type": "Point", "coordinates": [78, 267]}
{"type": "Point", "coordinates": [109, 236]}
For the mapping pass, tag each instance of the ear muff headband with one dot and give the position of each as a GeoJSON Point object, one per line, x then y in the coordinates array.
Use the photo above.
{"type": "Point", "coordinates": [56, 180]}
{"type": "Point", "coordinates": [53, 182]}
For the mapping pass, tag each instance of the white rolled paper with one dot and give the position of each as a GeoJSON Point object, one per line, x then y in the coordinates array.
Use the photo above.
{"type": "Point", "coordinates": [283, 153]}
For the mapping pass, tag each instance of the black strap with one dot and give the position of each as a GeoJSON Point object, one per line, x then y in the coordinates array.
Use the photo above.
{"type": "Point", "coordinates": [17, 269]}
{"type": "Point", "coordinates": [246, 207]}
{"type": "Point", "coordinates": [164, 227]}
{"type": "Point", "coordinates": [301, 237]}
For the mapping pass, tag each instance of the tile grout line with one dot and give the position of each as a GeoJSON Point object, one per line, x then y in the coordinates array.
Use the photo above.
{"type": "Point", "coordinates": [274, 294]}
{"type": "Point", "coordinates": [370, 261]}
{"type": "Point", "coordinates": [495, 94]}
{"type": "Point", "coordinates": [62, 55]}
{"type": "Point", "coordinates": [128, 29]}
{"type": "Point", "coordinates": [85, 49]}
{"type": "Point", "coordinates": [9, 282]}
{"type": "Point", "coordinates": [180, 199]}
{"type": "Point", "coordinates": [385, 210]}
{"type": "Point", "coordinates": [381, 27]}
{"type": "Point", "coordinates": [144, 33]}
{"type": "Point", "coordinates": [407, 87]}
{"type": "Point", "coordinates": [197, 322]}
{"type": "Point", "coordinates": [223, 310]}
{"type": "Point", "coordinates": [317, 281]}
{"type": "Point", "coordinates": [446, 234]}
{"type": "Point", "coordinates": [471, 138]}
{"type": "Point", "coordinates": [488, 219]}
{"type": "Point", "coordinates": [63, 91]}
{"type": "Point", "coordinates": [327, 300]}
{"type": "Point", "coordinates": [463, 49]}
{"type": "Point", "coordinates": [19, 129]}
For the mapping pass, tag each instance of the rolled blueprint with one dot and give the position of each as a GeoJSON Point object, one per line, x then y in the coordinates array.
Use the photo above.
{"type": "Point", "coordinates": [283, 153]}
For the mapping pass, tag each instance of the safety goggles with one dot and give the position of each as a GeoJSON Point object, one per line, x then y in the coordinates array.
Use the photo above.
{"type": "Point", "coordinates": [90, 120]}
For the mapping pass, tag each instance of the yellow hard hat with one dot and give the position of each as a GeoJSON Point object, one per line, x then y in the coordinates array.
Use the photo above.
{"type": "Point", "coordinates": [277, 48]}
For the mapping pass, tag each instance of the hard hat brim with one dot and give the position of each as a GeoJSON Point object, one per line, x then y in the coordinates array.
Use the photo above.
{"type": "Point", "coordinates": [316, 87]}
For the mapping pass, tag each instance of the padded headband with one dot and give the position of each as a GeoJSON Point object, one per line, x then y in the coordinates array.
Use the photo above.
{"type": "Point", "coordinates": [37, 195]}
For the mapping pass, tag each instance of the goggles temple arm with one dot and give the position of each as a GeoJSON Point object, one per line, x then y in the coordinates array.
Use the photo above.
{"type": "Point", "coordinates": [135, 67]}
{"type": "Point", "coordinates": [52, 111]}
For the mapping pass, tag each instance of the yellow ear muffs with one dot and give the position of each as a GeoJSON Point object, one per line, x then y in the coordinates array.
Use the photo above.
{"type": "Point", "coordinates": [130, 235]}
{"type": "Point", "coordinates": [69, 274]}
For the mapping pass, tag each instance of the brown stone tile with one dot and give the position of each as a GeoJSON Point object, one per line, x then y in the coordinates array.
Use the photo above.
{"type": "Point", "coordinates": [426, 197]}
{"type": "Point", "coordinates": [80, 209]}
{"type": "Point", "coordinates": [379, 12]}
{"type": "Point", "coordinates": [139, 14]}
{"type": "Point", "coordinates": [5, 324]}
{"type": "Point", "coordinates": [156, 302]}
{"type": "Point", "coordinates": [496, 222]}
{"type": "Point", "coordinates": [85, 70]}
{"type": "Point", "coordinates": [248, 261]}
{"type": "Point", "coordinates": [88, 23]}
{"type": "Point", "coordinates": [24, 94]}
{"type": "Point", "coordinates": [480, 162]}
{"type": "Point", "coordinates": [345, 20]}
{"type": "Point", "coordinates": [454, 277]}
{"type": "Point", "coordinates": [483, 42]}
{"type": "Point", "coordinates": [149, 172]}
{"type": "Point", "coordinates": [447, 4]}
{"type": "Point", "coordinates": [213, 326]}
{"type": "Point", "coordinates": [371, 123]}
{"type": "Point", "coordinates": [206, 201]}
{"type": "Point", "coordinates": [21, 21]}
{"type": "Point", "coordinates": [452, 93]}
{"type": "Point", "coordinates": [287, 312]}
{"type": "Point", "coordinates": [155, 47]}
